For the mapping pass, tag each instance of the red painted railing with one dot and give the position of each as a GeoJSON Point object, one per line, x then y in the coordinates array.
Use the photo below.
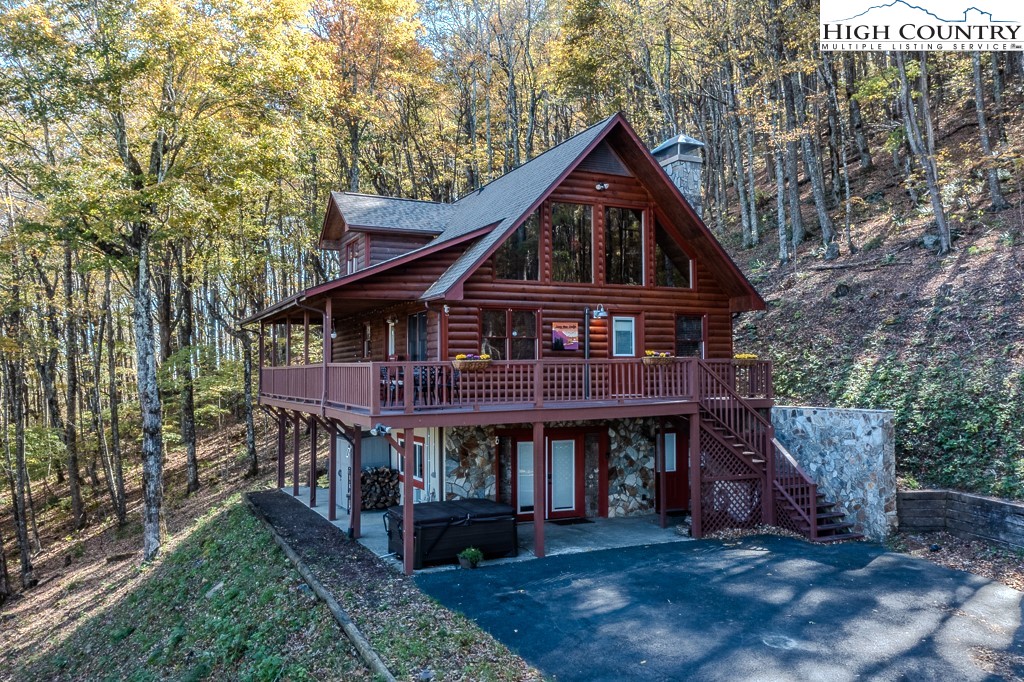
{"type": "Point", "coordinates": [796, 488]}
{"type": "Point", "coordinates": [429, 386]}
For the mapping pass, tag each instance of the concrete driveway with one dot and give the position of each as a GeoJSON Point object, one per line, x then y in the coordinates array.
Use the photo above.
{"type": "Point", "coordinates": [762, 608]}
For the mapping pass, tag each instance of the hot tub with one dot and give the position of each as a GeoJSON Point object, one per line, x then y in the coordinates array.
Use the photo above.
{"type": "Point", "coordinates": [443, 529]}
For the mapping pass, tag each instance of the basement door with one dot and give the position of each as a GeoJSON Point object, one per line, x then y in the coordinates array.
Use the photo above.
{"type": "Point", "coordinates": [564, 489]}
{"type": "Point", "coordinates": [677, 479]}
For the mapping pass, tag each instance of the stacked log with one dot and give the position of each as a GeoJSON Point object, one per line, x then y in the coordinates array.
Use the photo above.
{"type": "Point", "coordinates": [380, 488]}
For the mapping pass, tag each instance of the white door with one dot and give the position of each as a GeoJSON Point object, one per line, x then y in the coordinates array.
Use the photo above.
{"type": "Point", "coordinates": [563, 475]}
{"type": "Point", "coordinates": [524, 478]}
{"type": "Point", "coordinates": [343, 474]}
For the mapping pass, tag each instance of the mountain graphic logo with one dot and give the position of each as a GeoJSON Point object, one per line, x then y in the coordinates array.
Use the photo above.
{"type": "Point", "coordinates": [900, 11]}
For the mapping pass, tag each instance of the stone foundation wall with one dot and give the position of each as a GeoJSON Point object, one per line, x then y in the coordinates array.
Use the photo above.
{"type": "Point", "coordinates": [631, 467]}
{"type": "Point", "coordinates": [851, 455]}
{"type": "Point", "coordinates": [469, 463]}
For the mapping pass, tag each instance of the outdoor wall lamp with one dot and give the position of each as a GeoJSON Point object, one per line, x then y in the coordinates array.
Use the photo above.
{"type": "Point", "coordinates": [601, 186]}
{"type": "Point", "coordinates": [600, 313]}
{"type": "Point", "coordinates": [380, 430]}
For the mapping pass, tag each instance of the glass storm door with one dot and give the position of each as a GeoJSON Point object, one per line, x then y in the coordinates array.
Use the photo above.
{"type": "Point", "coordinates": [524, 478]}
{"type": "Point", "coordinates": [564, 491]}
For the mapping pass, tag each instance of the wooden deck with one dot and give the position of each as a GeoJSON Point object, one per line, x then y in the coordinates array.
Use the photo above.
{"type": "Point", "coordinates": [435, 393]}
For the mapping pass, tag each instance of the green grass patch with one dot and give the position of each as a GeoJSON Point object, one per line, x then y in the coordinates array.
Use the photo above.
{"type": "Point", "coordinates": [224, 605]}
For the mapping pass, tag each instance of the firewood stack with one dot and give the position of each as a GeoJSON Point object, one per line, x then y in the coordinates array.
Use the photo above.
{"type": "Point", "coordinates": [380, 488]}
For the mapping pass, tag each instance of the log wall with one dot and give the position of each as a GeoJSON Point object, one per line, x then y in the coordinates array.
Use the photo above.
{"type": "Point", "coordinates": [962, 514]}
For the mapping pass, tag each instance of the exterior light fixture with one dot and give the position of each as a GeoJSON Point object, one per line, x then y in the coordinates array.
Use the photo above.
{"type": "Point", "coordinates": [600, 313]}
{"type": "Point", "coordinates": [601, 186]}
{"type": "Point", "coordinates": [380, 430]}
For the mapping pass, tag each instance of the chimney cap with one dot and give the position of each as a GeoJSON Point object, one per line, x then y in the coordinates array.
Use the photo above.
{"type": "Point", "coordinates": [678, 144]}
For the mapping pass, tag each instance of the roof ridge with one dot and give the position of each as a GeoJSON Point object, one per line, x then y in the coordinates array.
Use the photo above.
{"type": "Point", "coordinates": [529, 161]}
{"type": "Point", "coordinates": [382, 196]}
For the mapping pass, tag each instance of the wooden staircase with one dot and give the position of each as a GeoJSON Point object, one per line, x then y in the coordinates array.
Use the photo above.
{"type": "Point", "coordinates": [789, 498]}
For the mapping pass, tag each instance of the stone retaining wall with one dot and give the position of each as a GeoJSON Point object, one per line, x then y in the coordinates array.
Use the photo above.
{"type": "Point", "coordinates": [851, 455]}
{"type": "Point", "coordinates": [962, 514]}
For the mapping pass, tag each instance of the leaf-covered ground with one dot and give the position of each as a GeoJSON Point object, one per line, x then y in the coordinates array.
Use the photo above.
{"type": "Point", "coordinates": [225, 604]}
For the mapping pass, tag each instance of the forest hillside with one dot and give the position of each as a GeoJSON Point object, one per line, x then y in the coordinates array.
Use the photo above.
{"type": "Point", "coordinates": [164, 166]}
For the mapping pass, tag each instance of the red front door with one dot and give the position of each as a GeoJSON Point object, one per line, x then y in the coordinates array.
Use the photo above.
{"type": "Point", "coordinates": [677, 468]}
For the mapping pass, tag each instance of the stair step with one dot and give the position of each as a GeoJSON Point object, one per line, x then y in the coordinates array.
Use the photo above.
{"type": "Point", "coordinates": [825, 505]}
{"type": "Point", "coordinates": [834, 526]}
{"type": "Point", "coordinates": [843, 537]}
{"type": "Point", "coordinates": [830, 515]}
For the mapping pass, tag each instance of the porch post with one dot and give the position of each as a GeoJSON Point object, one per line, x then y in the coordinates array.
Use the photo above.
{"type": "Point", "coordinates": [312, 461]}
{"type": "Point", "coordinates": [662, 475]}
{"type": "Point", "coordinates": [262, 352]}
{"type": "Point", "coordinates": [281, 426]}
{"type": "Point", "coordinates": [356, 503]}
{"type": "Point", "coordinates": [768, 498]}
{"type": "Point", "coordinates": [305, 338]}
{"type": "Point", "coordinates": [328, 325]}
{"type": "Point", "coordinates": [332, 472]}
{"type": "Point", "coordinates": [540, 478]}
{"type": "Point", "coordinates": [695, 500]}
{"type": "Point", "coordinates": [408, 522]}
{"type": "Point", "coordinates": [288, 343]}
{"type": "Point", "coordinates": [295, 454]}
{"type": "Point", "coordinates": [273, 344]}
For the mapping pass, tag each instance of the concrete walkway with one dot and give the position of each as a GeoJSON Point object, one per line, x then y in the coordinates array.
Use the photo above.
{"type": "Point", "coordinates": [762, 608]}
{"type": "Point", "coordinates": [558, 539]}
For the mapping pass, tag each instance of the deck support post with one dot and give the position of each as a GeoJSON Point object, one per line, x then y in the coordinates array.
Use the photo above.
{"type": "Point", "coordinates": [262, 351]}
{"type": "Point", "coordinates": [288, 343]}
{"type": "Point", "coordinates": [695, 499]}
{"type": "Point", "coordinates": [768, 498]}
{"type": "Point", "coordinates": [408, 520]}
{"type": "Point", "coordinates": [305, 338]}
{"type": "Point", "coordinates": [540, 478]}
{"type": "Point", "coordinates": [281, 426]}
{"type": "Point", "coordinates": [312, 461]}
{"type": "Point", "coordinates": [332, 472]}
{"type": "Point", "coordinates": [662, 475]}
{"type": "Point", "coordinates": [328, 326]}
{"type": "Point", "coordinates": [356, 503]}
{"type": "Point", "coordinates": [295, 453]}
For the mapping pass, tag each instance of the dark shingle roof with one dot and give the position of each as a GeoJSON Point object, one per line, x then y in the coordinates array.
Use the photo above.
{"type": "Point", "coordinates": [507, 200]}
{"type": "Point", "coordinates": [367, 210]}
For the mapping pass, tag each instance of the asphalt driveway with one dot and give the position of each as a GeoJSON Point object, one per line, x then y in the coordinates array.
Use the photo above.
{"type": "Point", "coordinates": [763, 608]}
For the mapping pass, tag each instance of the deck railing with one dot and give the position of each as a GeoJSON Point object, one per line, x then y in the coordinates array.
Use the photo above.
{"type": "Point", "coordinates": [429, 386]}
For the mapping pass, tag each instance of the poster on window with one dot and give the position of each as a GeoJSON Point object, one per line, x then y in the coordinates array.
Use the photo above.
{"type": "Point", "coordinates": [565, 336]}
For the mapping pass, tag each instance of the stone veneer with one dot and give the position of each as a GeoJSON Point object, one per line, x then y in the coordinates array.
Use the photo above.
{"type": "Point", "coordinates": [851, 455]}
{"type": "Point", "coordinates": [631, 467]}
{"type": "Point", "coordinates": [470, 467]}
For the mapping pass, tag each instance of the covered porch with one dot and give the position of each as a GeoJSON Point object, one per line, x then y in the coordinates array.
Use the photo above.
{"type": "Point", "coordinates": [589, 536]}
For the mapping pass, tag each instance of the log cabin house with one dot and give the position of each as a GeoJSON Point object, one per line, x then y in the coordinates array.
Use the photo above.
{"type": "Point", "coordinates": [568, 272]}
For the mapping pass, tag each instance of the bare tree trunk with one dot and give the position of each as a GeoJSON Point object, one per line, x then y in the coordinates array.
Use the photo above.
{"type": "Point", "coordinates": [250, 428]}
{"type": "Point", "coordinates": [991, 172]}
{"type": "Point", "coordinates": [917, 142]}
{"type": "Point", "coordinates": [188, 410]}
{"type": "Point", "coordinates": [780, 205]}
{"type": "Point", "coordinates": [5, 577]}
{"type": "Point", "coordinates": [796, 221]}
{"type": "Point", "coordinates": [149, 400]}
{"type": "Point", "coordinates": [120, 508]}
{"type": "Point", "coordinates": [813, 168]}
{"type": "Point", "coordinates": [856, 120]}
{"type": "Point", "coordinates": [71, 428]}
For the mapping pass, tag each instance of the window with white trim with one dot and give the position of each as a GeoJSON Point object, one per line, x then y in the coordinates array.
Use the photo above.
{"type": "Point", "coordinates": [624, 337]}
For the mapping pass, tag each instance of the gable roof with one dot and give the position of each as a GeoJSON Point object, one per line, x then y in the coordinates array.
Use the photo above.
{"type": "Point", "coordinates": [490, 214]}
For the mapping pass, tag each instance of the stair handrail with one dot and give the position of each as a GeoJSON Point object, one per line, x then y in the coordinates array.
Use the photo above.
{"type": "Point", "coordinates": [765, 450]}
{"type": "Point", "coordinates": [808, 511]}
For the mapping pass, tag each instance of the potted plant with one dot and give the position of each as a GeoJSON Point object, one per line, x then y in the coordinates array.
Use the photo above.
{"type": "Point", "coordinates": [471, 362]}
{"type": "Point", "coordinates": [653, 357]}
{"type": "Point", "coordinates": [745, 358]}
{"type": "Point", "coordinates": [470, 557]}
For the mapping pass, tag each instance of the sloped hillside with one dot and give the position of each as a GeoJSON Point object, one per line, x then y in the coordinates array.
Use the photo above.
{"type": "Point", "coordinates": [893, 325]}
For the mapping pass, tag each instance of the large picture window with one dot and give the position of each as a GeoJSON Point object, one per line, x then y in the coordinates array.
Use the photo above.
{"type": "Point", "coordinates": [509, 334]}
{"type": "Point", "coordinates": [671, 264]}
{"type": "Point", "coordinates": [572, 243]}
{"type": "Point", "coordinates": [624, 245]}
{"type": "Point", "coordinates": [518, 258]}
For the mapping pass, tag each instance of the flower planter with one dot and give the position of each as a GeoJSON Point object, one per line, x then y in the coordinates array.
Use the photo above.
{"type": "Point", "coordinates": [468, 365]}
{"type": "Point", "coordinates": [657, 360]}
{"type": "Point", "coordinates": [466, 563]}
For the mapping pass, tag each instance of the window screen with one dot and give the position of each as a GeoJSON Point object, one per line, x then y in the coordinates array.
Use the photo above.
{"type": "Point", "coordinates": [689, 336]}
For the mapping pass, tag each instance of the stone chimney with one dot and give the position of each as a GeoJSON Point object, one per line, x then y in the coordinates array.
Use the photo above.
{"type": "Point", "coordinates": [681, 158]}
